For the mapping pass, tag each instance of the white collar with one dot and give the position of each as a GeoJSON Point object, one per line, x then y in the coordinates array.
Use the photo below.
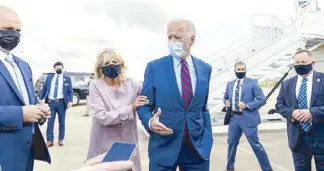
{"type": "Point", "coordinates": [3, 55]}
{"type": "Point", "coordinates": [309, 77]}
{"type": "Point", "coordinates": [58, 74]}
{"type": "Point", "coordinates": [241, 80]}
{"type": "Point", "coordinates": [177, 61]}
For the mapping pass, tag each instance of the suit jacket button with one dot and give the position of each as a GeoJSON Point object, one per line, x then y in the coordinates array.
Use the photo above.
{"type": "Point", "coordinates": [29, 143]}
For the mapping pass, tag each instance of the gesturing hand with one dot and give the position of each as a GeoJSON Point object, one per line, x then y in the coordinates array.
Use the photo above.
{"type": "Point", "coordinates": [157, 126]}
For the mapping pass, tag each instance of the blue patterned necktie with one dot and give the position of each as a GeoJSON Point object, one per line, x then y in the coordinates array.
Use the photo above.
{"type": "Point", "coordinates": [56, 86]}
{"type": "Point", "coordinates": [186, 88]}
{"type": "Point", "coordinates": [302, 102]}
{"type": "Point", "coordinates": [237, 95]}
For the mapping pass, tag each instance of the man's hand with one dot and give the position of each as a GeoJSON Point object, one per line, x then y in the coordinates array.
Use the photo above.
{"type": "Point", "coordinates": [95, 164]}
{"type": "Point", "coordinates": [296, 113]}
{"type": "Point", "coordinates": [45, 109]}
{"type": "Point", "coordinates": [157, 126]}
{"type": "Point", "coordinates": [69, 104]}
{"type": "Point", "coordinates": [304, 116]}
{"type": "Point", "coordinates": [227, 103]}
{"type": "Point", "coordinates": [33, 113]}
{"type": "Point", "coordinates": [242, 105]}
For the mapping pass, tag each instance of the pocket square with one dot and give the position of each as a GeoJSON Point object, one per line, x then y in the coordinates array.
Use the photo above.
{"type": "Point", "coordinates": [66, 84]}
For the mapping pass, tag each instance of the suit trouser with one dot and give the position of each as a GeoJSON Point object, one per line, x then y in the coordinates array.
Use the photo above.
{"type": "Point", "coordinates": [235, 130]}
{"type": "Point", "coordinates": [309, 148]}
{"type": "Point", "coordinates": [88, 107]}
{"type": "Point", "coordinates": [30, 161]}
{"type": "Point", "coordinates": [188, 160]}
{"type": "Point", "coordinates": [59, 108]}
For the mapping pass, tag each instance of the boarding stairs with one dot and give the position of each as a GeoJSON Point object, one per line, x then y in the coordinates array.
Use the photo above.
{"type": "Point", "coordinates": [267, 56]}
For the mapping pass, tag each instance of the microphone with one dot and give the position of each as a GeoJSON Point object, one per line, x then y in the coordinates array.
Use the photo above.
{"type": "Point", "coordinates": [41, 121]}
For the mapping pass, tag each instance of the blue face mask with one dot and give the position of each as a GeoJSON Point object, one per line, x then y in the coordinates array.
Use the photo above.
{"type": "Point", "coordinates": [111, 71]}
{"type": "Point", "coordinates": [176, 49]}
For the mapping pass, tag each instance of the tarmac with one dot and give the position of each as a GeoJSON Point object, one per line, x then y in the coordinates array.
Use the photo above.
{"type": "Point", "coordinates": [74, 152]}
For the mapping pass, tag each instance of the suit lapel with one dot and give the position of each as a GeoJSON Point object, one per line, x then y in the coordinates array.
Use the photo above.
{"type": "Point", "coordinates": [230, 93]}
{"type": "Point", "coordinates": [315, 87]}
{"type": "Point", "coordinates": [64, 82]}
{"type": "Point", "coordinates": [198, 75]}
{"type": "Point", "coordinates": [26, 79]}
{"type": "Point", "coordinates": [293, 91]}
{"type": "Point", "coordinates": [5, 73]}
{"type": "Point", "coordinates": [245, 82]}
{"type": "Point", "coordinates": [171, 78]}
{"type": "Point", "coordinates": [49, 84]}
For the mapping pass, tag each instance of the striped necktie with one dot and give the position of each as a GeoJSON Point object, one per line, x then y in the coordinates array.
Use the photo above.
{"type": "Point", "coordinates": [237, 95]}
{"type": "Point", "coordinates": [56, 86]}
{"type": "Point", "coordinates": [186, 88]}
{"type": "Point", "coordinates": [302, 102]}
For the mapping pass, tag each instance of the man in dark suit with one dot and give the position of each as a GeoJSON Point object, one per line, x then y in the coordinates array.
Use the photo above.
{"type": "Point", "coordinates": [177, 89]}
{"type": "Point", "coordinates": [301, 102]}
{"type": "Point", "coordinates": [243, 98]}
{"type": "Point", "coordinates": [20, 138]}
{"type": "Point", "coordinates": [58, 93]}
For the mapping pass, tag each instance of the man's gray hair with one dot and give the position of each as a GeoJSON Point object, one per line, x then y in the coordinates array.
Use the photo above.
{"type": "Point", "coordinates": [309, 53]}
{"type": "Point", "coordinates": [190, 27]}
{"type": "Point", "coordinates": [239, 63]}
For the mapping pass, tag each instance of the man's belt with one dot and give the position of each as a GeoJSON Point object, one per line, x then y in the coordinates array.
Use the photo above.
{"type": "Point", "coordinates": [237, 112]}
{"type": "Point", "coordinates": [54, 100]}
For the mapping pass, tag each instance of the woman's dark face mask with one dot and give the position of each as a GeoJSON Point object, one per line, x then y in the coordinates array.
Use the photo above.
{"type": "Point", "coordinates": [111, 71]}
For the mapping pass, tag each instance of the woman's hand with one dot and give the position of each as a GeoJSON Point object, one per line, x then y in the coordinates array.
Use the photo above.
{"type": "Point", "coordinates": [140, 101]}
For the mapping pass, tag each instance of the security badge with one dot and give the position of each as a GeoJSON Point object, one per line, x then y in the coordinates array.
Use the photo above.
{"type": "Point", "coordinates": [318, 80]}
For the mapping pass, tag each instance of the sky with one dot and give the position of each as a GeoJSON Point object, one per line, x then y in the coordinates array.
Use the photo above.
{"type": "Point", "coordinates": [74, 31]}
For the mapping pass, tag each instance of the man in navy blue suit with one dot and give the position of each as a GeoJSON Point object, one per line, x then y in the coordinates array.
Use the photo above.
{"type": "Point", "coordinates": [58, 93]}
{"type": "Point", "coordinates": [20, 138]}
{"type": "Point", "coordinates": [301, 102]}
{"type": "Point", "coordinates": [243, 98]}
{"type": "Point", "coordinates": [177, 89]}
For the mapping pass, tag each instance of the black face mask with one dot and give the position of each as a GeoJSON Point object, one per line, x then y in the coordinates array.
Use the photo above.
{"type": "Point", "coordinates": [111, 71]}
{"type": "Point", "coordinates": [240, 75]}
{"type": "Point", "coordinates": [58, 71]}
{"type": "Point", "coordinates": [303, 69]}
{"type": "Point", "coordinates": [9, 39]}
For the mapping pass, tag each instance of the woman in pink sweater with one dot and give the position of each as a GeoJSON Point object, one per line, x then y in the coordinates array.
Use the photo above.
{"type": "Point", "coordinates": [113, 99]}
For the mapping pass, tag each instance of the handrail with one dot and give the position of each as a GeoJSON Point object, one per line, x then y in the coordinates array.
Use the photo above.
{"type": "Point", "coordinates": [219, 106]}
{"type": "Point", "coordinates": [245, 42]}
{"type": "Point", "coordinates": [248, 56]}
{"type": "Point", "coordinates": [273, 54]}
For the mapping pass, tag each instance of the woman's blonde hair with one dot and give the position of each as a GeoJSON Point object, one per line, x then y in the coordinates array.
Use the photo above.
{"type": "Point", "coordinates": [102, 57]}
